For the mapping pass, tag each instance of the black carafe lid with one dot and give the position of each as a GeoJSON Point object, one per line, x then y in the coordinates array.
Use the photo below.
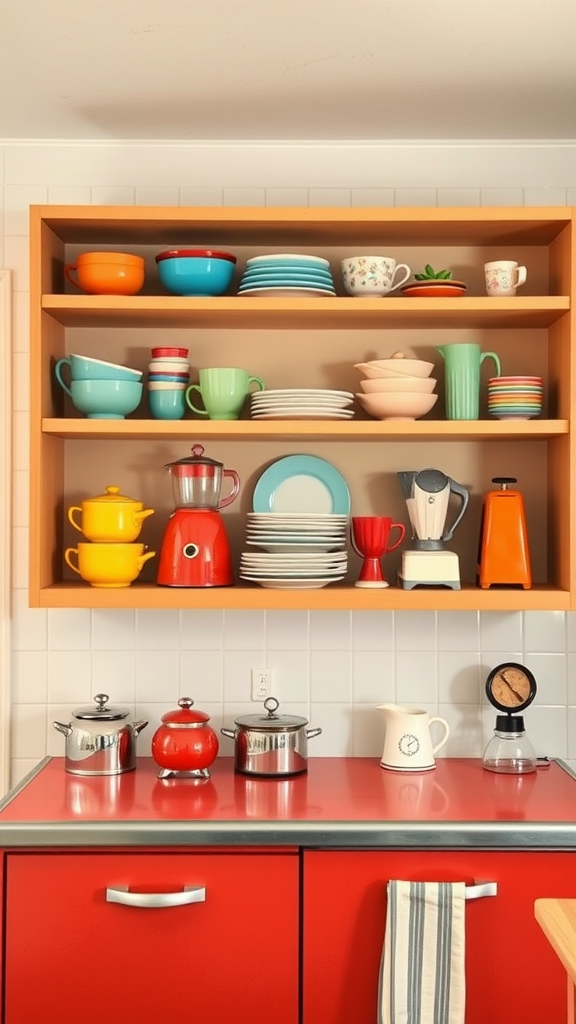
{"type": "Point", "coordinates": [510, 723]}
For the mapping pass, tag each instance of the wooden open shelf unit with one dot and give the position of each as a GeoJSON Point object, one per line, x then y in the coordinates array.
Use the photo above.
{"type": "Point", "coordinates": [307, 342]}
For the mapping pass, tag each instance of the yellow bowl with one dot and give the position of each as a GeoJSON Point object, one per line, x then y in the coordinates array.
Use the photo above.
{"type": "Point", "coordinates": [108, 565]}
{"type": "Point", "coordinates": [110, 517]}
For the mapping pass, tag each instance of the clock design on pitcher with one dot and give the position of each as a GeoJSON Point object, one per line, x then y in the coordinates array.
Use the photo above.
{"type": "Point", "coordinates": [408, 744]}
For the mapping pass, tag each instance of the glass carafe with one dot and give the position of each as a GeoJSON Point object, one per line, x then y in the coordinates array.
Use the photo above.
{"type": "Point", "coordinates": [509, 752]}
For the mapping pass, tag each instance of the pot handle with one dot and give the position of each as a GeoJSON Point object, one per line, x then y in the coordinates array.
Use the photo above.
{"type": "Point", "coordinates": [228, 732]}
{"type": "Point", "coordinates": [310, 733]}
{"type": "Point", "coordinates": [156, 900]}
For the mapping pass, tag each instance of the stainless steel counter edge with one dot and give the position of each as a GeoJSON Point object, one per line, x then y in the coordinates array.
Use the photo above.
{"type": "Point", "coordinates": [446, 835]}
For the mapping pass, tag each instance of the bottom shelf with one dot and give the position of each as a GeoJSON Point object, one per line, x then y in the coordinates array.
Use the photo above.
{"type": "Point", "coordinates": [142, 595]}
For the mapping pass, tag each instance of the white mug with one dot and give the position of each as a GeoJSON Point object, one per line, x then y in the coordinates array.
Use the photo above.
{"type": "Point", "coordinates": [373, 275]}
{"type": "Point", "coordinates": [503, 277]}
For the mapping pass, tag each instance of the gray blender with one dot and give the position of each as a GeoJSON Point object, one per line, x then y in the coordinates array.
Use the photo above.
{"type": "Point", "coordinates": [427, 562]}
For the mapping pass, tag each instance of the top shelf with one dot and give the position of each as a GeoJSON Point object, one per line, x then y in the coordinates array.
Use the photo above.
{"type": "Point", "coordinates": [334, 313]}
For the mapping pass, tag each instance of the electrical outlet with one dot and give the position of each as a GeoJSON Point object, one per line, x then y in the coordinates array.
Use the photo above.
{"type": "Point", "coordinates": [262, 683]}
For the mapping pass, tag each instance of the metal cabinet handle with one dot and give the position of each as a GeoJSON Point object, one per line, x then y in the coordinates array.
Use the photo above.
{"type": "Point", "coordinates": [474, 892]}
{"type": "Point", "coordinates": [156, 900]}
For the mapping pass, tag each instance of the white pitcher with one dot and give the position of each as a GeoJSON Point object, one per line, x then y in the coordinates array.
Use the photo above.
{"type": "Point", "coordinates": [408, 743]}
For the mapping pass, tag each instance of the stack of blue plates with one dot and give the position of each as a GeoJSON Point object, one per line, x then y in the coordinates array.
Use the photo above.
{"type": "Point", "coordinates": [285, 274]}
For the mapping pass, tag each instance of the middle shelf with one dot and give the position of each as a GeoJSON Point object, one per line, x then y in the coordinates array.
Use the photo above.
{"type": "Point", "coordinates": [294, 430]}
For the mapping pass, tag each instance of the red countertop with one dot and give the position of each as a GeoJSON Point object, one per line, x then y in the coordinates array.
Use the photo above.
{"type": "Point", "coordinates": [350, 801]}
{"type": "Point", "coordinates": [347, 789]}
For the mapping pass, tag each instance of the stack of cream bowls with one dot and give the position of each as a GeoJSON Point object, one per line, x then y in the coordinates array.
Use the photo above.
{"type": "Point", "coordinates": [295, 550]}
{"type": "Point", "coordinates": [397, 388]}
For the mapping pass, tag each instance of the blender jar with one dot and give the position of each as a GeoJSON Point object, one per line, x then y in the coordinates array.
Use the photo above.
{"type": "Point", "coordinates": [196, 481]}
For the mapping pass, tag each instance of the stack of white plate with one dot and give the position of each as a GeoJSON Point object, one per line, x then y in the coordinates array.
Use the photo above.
{"type": "Point", "coordinates": [286, 274]}
{"type": "Point", "coordinates": [302, 404]}
{"type": "Point", "coordinates": [301, 551]}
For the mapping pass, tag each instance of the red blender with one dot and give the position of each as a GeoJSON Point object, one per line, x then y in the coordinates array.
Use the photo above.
{"type": "Point", "coordinates": [195, 548]}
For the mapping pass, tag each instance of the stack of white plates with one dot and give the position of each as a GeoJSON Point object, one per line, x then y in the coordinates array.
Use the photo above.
{"type": "Point", "coordinates": [286, 274]}
{"type": "Point", "coordinates": [302, 404]}
{"type": "Point", "coordinates": [297, 550]}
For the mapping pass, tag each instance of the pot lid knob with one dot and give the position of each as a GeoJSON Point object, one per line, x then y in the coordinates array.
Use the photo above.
{"type": "Point", "coordinates": [185, 716]}
{"type": "Point", "coordinates": [271, 705]}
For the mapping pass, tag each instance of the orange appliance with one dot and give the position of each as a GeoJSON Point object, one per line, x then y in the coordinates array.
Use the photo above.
{"type": "Point", "coordinates": [504, 555]}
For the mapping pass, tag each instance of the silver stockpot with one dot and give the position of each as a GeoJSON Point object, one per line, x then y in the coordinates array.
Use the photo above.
{"type": "Point", "coordinates": [100, 739]}
{"type": "Point", "coordinates": [271, 744]}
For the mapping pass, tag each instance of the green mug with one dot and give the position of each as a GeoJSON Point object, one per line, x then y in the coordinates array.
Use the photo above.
{"type": "Point", "coordinates": [223, 391]}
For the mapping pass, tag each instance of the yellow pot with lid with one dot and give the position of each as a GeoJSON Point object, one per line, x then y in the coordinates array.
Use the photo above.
{"type": "Point", "coordinates": [109, 518]}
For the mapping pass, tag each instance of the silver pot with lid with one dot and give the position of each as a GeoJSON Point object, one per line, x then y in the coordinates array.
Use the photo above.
{"type": "Point", "coordinates": [271, 744]}
{"type": "Point", "coordinates": [100, 739]}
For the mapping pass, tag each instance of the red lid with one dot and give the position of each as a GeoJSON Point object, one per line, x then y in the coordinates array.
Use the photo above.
{"type": "Point", "coordinates": [164, 350]}
{"type": "Point", "coordinates": [171, 254]}
{"type": "Point", "coordinates": [196, 464]}
{"type": "Point", "coordinates": [185, 716]}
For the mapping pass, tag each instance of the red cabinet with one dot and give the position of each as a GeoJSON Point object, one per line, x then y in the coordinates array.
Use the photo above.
{"type": "Point", "coordinates": [512, 974]}
{"type": "Point", "coordinates": [72, 957]}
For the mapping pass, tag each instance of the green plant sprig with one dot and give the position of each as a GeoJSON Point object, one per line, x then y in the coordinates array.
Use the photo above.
{"type": "Point", "coordinates": [433, 275]}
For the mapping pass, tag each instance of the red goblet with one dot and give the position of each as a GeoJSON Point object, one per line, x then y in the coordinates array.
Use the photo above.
{"type": "Point", "coordinates": [370, 537]}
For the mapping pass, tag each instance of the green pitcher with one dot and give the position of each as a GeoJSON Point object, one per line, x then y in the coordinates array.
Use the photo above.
{"type": "Point", "coordinates": [463, 362]}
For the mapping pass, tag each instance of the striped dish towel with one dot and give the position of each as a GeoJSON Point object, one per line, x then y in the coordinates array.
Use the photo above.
{"type": "Point", "coordinates": [422, 969]}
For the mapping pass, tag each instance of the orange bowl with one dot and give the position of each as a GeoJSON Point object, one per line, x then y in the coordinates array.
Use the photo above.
{"type": "Point", "coordinates": [107, 273]}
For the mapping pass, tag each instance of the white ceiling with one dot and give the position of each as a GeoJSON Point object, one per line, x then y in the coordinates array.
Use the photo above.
{"type": "Point", "coordinates": [303, 69]}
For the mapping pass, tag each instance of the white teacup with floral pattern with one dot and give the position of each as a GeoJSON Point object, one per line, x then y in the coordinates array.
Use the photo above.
{"type": "Point", "coordinates": [503, 277]}
{"type": "Point", "coordinates": [373, 275]}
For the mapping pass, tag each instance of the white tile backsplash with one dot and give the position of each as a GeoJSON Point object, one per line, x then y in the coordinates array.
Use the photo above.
{"type": "Point", "coordinates": [333, 668]}
{"type": "Point", "coordinates": [157, 630]}
{"type": "Point", "coordinates": [545, 631]}
{"type": "Point", "coordinates": [69, 629]}
{"type": "Point", "coordinates": [458, 631]}
{"type": "Point", "coordinates": [373, 677]}
{"type": "Point", "coordinates": [200, 675]}
{"type": "Point", "coordinates": [287, 630]}
{"type": "Point", "coordinates": [202, 629]}
{"type": "Point", "coordinates": [156, 675]}
{"type": "Point", "coordinates": [330, 677]}
{"type": "Point", "coordinates": [501, 631]}
{"type": "Point", "coordinates": [373, 631]}
{"type": "Point", "coordinates": [416, 677]}
{"type": "Point", "coordinates": [238, 667]}
{"type": "Point", "coordinates": [113, 630]}
{"type": "Point", "coordinates": [330, 631]}
{"type": "Point", "coordinates": [459, 677]}
{"type": "Point", "coordinates": [70, 678]}
{"type": "Point", "coordinates": [415, 631]}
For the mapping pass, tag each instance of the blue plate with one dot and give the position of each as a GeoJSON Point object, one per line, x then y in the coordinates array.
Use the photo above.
{"type": "Point", "coordinates": [252, 275]}
{"type": "Point", "coordinates": [302, 483]}
{"type": "Point", "coordinates": [303, 283]}
{"type": "Point", "coordinates": [269, 264]}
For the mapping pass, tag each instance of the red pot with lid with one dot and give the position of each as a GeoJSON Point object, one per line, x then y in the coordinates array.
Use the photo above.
{"type": "Point", "coordinates": [184, 744]}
